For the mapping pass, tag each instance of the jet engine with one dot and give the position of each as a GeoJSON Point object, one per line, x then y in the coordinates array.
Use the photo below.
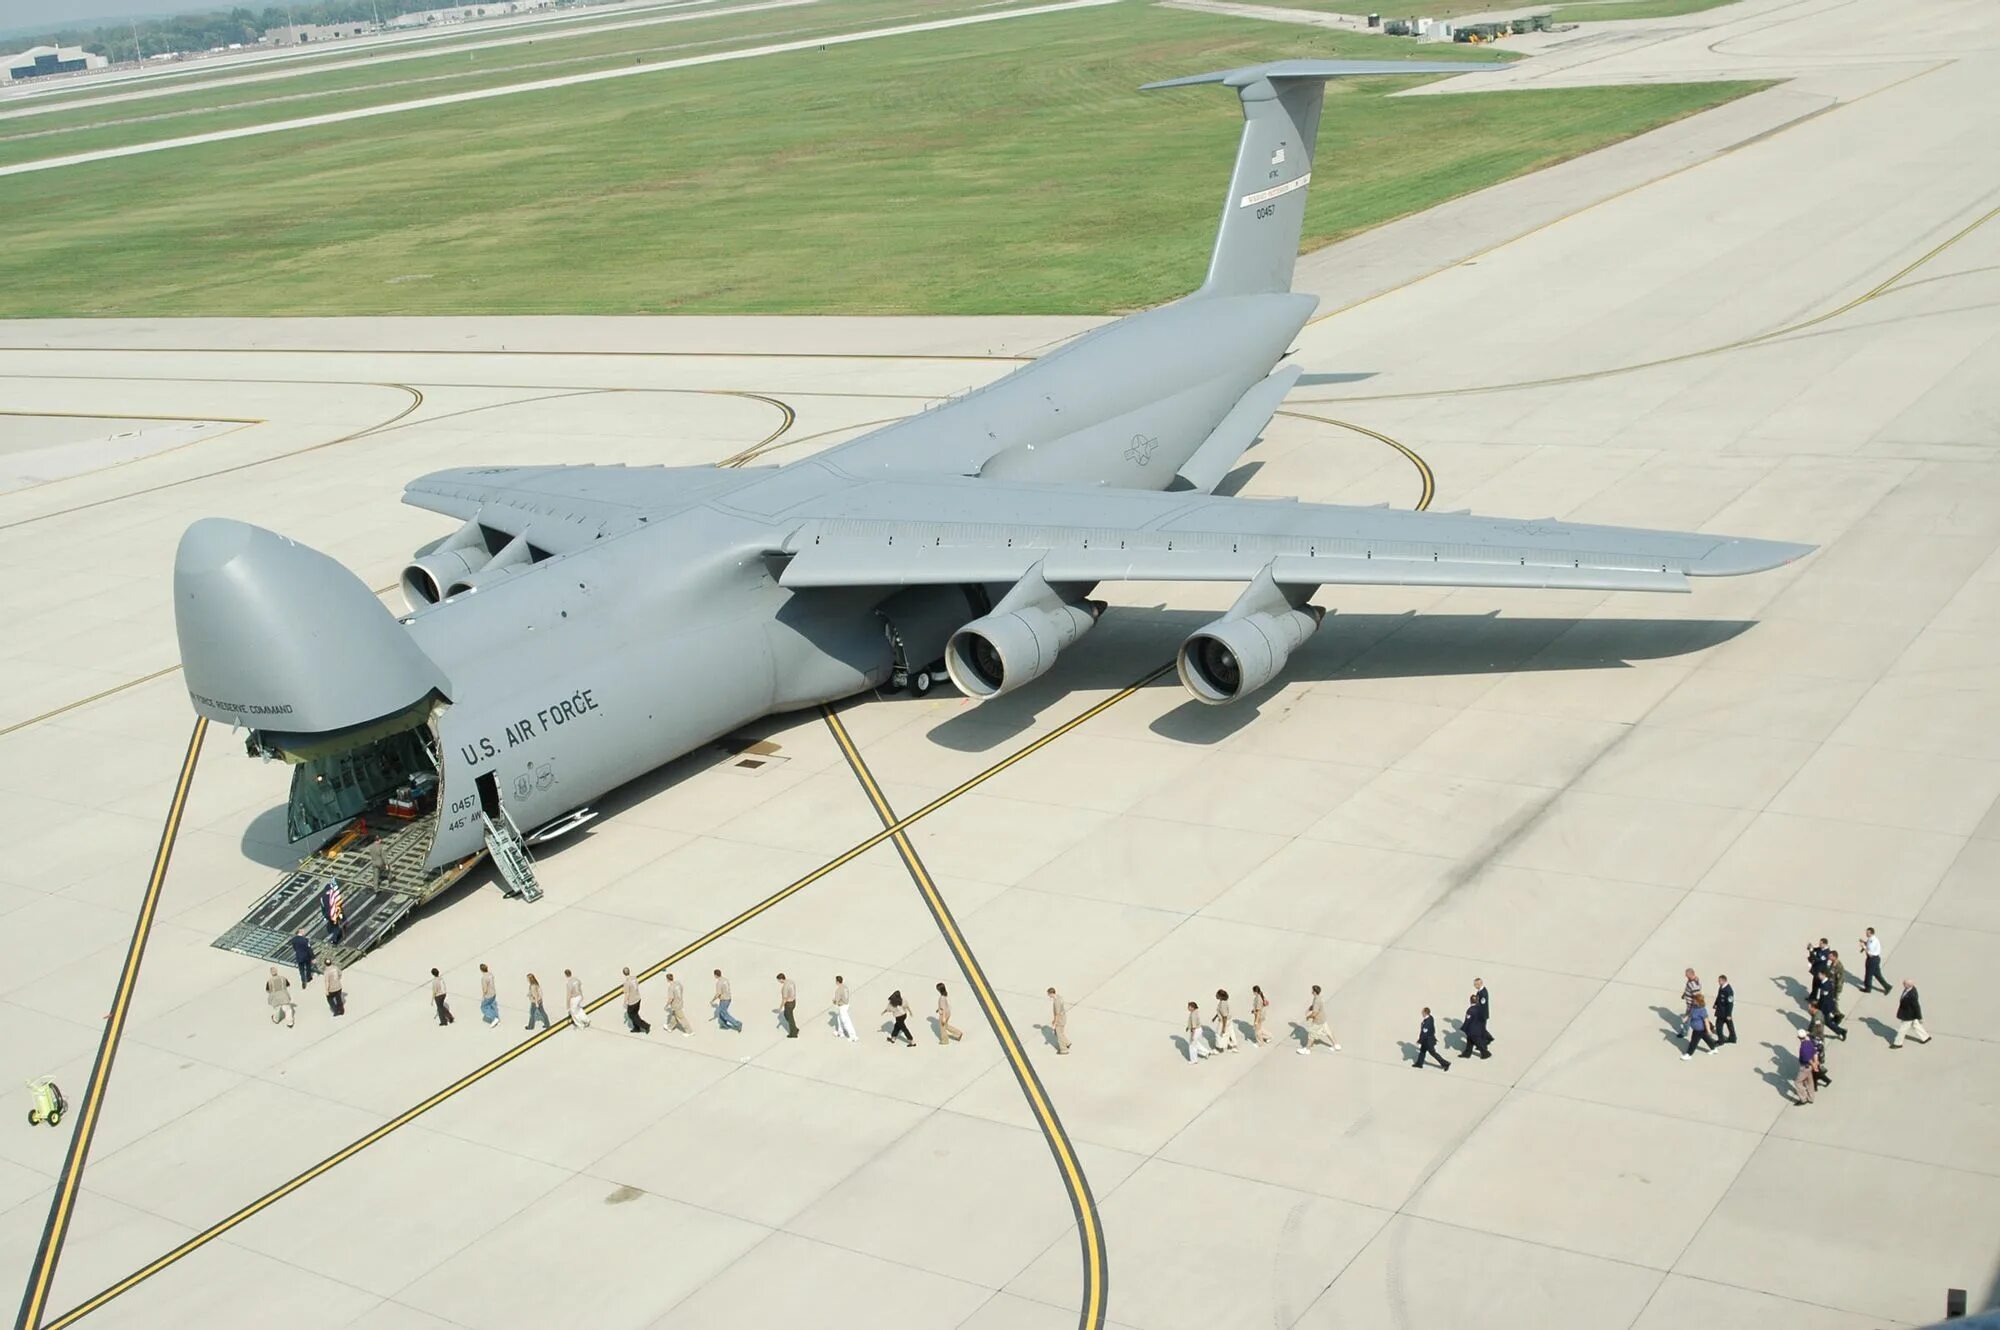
{"type": "Point", "coordinates": [442, 562]}
{"type": "Point", "coordinates": [513, 557]}
{"type": "Point", "coordinates": [1019, 640]}
{"type": "Point", "coordinates": [468, 559]}
{"type": "Point", "coordinates": [1244, 649]}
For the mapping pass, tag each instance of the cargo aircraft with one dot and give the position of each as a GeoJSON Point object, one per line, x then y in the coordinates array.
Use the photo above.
{"type": "Point", "coordinates": [587, 624]}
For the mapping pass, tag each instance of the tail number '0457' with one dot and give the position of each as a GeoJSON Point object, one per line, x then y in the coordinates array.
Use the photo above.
{"type": "Point", "coordinates": [1266, 211]}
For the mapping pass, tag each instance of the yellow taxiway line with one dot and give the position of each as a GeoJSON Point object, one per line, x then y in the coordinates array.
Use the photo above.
{"type": "Point", "coordinates": [1090, 1229]}
{"type": "Point", "coordinates": [41, 1275]}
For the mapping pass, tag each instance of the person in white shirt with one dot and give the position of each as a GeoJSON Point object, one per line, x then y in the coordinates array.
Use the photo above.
{"type": "Point", "coordinates": [573, 991]}
{"type": "Point", "coordinates": [843, 1020]}
{"type": "Point", "coordinates": [1871, 950]}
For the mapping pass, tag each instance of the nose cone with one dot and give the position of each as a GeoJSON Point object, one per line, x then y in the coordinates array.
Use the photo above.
{"type": "Point", "coordinates": [276, 636]}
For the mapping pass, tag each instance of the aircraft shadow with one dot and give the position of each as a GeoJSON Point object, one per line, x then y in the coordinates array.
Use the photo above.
{"type": "Point", "coordinates": [1349, 647]}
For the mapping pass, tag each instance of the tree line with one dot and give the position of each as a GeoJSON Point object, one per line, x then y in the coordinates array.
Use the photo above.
{"type": "Point", "coordinates": [219, 27]}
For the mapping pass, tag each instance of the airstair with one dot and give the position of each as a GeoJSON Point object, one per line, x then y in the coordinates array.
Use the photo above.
{"type": "Point", "coordinates": [510, 856]}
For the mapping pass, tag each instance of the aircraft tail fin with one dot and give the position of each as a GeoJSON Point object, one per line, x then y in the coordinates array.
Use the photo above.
{"type": "Point", "coordinates": [1266, 207]}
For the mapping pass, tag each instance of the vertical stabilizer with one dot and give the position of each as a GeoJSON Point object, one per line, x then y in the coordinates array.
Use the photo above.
{"type": "Point", "coordinates": [1266, 207]}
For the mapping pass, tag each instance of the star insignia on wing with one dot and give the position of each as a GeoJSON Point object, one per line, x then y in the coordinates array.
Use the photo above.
{"type": "Point", "coordinates": [1141, 450]}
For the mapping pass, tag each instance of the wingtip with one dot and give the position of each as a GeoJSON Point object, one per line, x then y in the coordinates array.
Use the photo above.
{"type": "Point", "coordinates": [1737, 557]}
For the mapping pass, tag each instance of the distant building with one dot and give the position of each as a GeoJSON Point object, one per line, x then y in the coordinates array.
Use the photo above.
{"type": "Point", "coordinates": [40, 61]}
{"type": "Point", "coordinates": [461, 13]}
{"type": "Point", "coordinates": [300, 34]}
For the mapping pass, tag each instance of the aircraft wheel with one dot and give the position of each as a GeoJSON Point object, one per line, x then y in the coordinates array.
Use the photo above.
{"type": "Point", "coordinates": [921, 683]}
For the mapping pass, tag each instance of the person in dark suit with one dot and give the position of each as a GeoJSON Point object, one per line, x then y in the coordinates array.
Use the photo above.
{"type": "Point", "coordinates": [302, 956]}
{"type": "Point", "coordinates": [1816, 960]}
{"type": "Point", "coordinates": [1485, 1001]}
{"type": "Point", "coordinates": [1477, 1040]}
{"type": "Point", "coordinates": [1909, 1017]}
{"type": "Point", "coordinates": [1427, 1043]}
{"type": "Point", "coordinates": [1724, 1024]}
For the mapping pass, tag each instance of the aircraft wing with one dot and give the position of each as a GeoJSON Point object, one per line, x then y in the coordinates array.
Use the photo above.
{"type": "Point", "coordinates": [558, 508]}
{"type": "Point", "coordinates": [949, 530]}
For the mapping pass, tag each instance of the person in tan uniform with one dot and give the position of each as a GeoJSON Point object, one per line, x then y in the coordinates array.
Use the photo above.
{"type": "Point", "coordinates": [336, 996]}
{"type": "Point", "coordinates": [946, 1030]}
{"type": "Point", "coordinates": [1259, 1013]}
{"type": "Point", "coordinates": [634, 1022]}
{"type": "Point", "coordinates": [843, 1020]}
{"type": "Point", "coordinates": [278, 995]}
{"type": "Point", "coordinates": [1197, 1041]}
{"type": "Point", "coordinates": [1059, 1020]}
{"type": "Point", "coordinates": [1317, 1030]}
{"type": "Point", "coordinates": [444, 1016]}
{"type": "Point", "coordinates": [677, 1008]}
{"type": "Point", "coordinates": [788, 1005]}
{"type": "Point", "coordinates": [724, 994]}
{"type": "Point", "coordinates": [1225, 1028]}
{"type": "Point", "coordinates": [900, 1015]}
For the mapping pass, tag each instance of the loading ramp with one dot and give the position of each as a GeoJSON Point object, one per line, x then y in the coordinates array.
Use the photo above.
{"type": "Point", "coordinates": [370, 912]}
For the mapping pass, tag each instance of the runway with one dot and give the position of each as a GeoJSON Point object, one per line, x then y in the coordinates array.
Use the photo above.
{"type": "Point", "coordinates": [1777, 320]}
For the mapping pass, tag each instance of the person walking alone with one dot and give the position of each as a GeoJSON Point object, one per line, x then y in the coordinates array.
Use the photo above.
{"type": "Point", "coordinates": [1259, 1015]}
{"type": "Point", "coordinates": [901, 1015]}
{"type": "Point", "coordinates": [278, 996]}
{"type": "Point", "coordinates": [579, 1019]}
{"type": "Point", "coordinates": [1724, 1024]}
{"type": "Point", "coordinates": [1197, 1042]}
{"type": "Point", "coordinates": [843, 1017]}
{"type": "Point", "coordinates": [489, 998]}
{"type": "Point", "coordinates": [444, 1016]}
{"type": "Point", "coordinates": [1059, 1020]}
{"type": "Point", "coordinates": [1698, 1027]}
{"type": "Point", "coordinates": [724, 994]}
{"type": "Point", "coordinates": [537, 1013]}
{"type": "Point", "coordinates": [1910, 1017]}
{"type": "Point", "coordinates": [1485, 1001]}
{"type": "Point", "coordinates": [634, 1022]}
{"type": "Point", "coordinates": [677, 1019]}
{"type": "Point", "coordinates": [336, 997]}
{"type": "Point", "coordinates": [302, 956]}
{"type": "Point", "coordinates": [788, 1006]}
{"type": "Point", "coordinates": [1317, 1030]}
{"type": "Point", "coordinates": [1871, 951]}
{"type": "Point", "coordinates": [1427, 1042]}
{"type": "Point", "coordinates": [1802, 1083]}
{"type": "Point", "coordinates": [946, 1030]}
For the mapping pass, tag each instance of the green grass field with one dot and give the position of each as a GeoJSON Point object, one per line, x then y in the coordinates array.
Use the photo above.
{"type": "Point", "coordinates": [227, 106]}
{"type": "Point", "coordinates": [1005, 168]}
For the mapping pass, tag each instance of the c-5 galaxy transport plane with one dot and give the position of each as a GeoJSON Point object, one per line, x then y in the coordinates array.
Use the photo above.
{"type": "Point", "coordinates": [588, 624]}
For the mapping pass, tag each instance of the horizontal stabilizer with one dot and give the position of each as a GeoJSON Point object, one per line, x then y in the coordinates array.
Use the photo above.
{"type": "Point", "coordinates": [1238, 430]}
{"type": "Point", "coordinates": [1318, 69]}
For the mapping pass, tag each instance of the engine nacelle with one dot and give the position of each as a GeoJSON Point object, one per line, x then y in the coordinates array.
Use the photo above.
{"type": "Point", "coordinates": [513, 557]}
{"type": "Point", "coordinates": [429, 575]}
{"type": "Point", "coordinates": [427, 581]}
{"type": "Point", "coordinates": [1019, 641]}
{"type": "Point", "coordinates": [1244, 649]}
